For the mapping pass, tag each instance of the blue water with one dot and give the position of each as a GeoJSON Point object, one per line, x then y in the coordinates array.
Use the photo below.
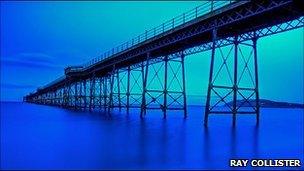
{"type": "Point", "coordinates": [45, 137]}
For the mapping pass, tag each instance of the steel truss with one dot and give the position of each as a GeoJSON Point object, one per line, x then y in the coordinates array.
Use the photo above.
{"type": "Point", "coordinates": [259, 33]}
{"type": "Point", "coordinates": [164, 84]}
{"type": "Point", "coordinates": [238, 96]}
{"type": "Point", "coordinates": [157, 83]}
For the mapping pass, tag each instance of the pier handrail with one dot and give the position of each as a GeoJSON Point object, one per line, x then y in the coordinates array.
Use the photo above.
{"type": "Point", "coordinates": [199, 11]}
{"type": "Point", "coordinates": [205, 8]}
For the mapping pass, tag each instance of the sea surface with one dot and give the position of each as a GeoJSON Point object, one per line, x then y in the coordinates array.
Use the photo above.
{"type": "Point", "coordinates": [46, 137]}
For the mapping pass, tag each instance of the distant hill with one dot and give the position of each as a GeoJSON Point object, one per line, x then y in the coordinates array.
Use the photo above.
{"type": "Point", "coordinates": [269, 104]}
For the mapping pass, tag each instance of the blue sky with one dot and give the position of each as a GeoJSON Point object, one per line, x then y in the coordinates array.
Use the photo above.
{"type": "Point", "coordinates": [38, 39]}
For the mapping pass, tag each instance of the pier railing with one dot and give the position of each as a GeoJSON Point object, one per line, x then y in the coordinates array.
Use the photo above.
{"type": "Point", "coordinates": [205, 8]}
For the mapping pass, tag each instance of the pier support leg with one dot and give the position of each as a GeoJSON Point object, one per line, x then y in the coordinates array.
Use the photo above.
{"type": "Point", "coordinates": [92, 93]}
{"type": "Point", "coordinates": [111, 100]}
{"type": "Point", "coordinates": [235, 79]}
{"type": "Point", "coordinates": [236, 93]}
{"type": "Point", "coordinates": [105, 83]}
{"type": "Point", "coordinates": [118, 89]}
{"type": "Point", "coordinates": [76, 95]}
{"type": "Point", "coordinates": [166, 85]}
{"type": "Point", "coordinates": [128, 89]}
{"type": "Point", "coordinates": [165, 107]}
{"type": "Point", "coordinates": [184, 85]}
{"type": "Point", "coordinates": [70, 95]}
{"type": "Point", "coordinates": [145, 78]}
{"type": "Point", "coordinates": [65, 95]}
{"type": "Point", "coordinates": [85, 93]}
{"type": "Point", "coordinates": [257, 97]}
{"type": "Point", "coordinates": [207, 107]}
{"type": "Point", "coordinates": [100, 91]}
{"type": "Point", "coordinates": [80, 95]}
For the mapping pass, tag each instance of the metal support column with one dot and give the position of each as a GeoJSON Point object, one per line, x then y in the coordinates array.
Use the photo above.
{"type": "Point", "coordinates": [80, 96]}
{"type": "Point", "coordinates": [92, 93]}
{"type": "Point", "coordinates": [85, 93]}
{"type": "Point", "coordinates": [100, 91]}
{"type": "Point", "coordinates": [128, 89]}
{"type": "Point", "coordinates": [76, 94]}
{"type": "Point", "coordinates": [165, 86]}
{"type": "Point", "coordinates": [257, 97]}
{"type": "Point", "coordinates": [118, 89]}
{"type": "Point", "coordinates": [111, 100]}
{"type": "Point", "coordinates": [145, 78]}
{"type": "Point", "coordinates": [184, 85]}
{"type": "Point", "coordinates": [105, 90]}
{"type": "Point", "coordinates": [235, 79]}
{"type": "Point", "coordinates": [207, 107]}
{"type": "Point", "coordinates": [70, 98]}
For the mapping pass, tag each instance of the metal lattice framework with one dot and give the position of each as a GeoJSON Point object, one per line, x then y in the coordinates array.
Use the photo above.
{"type": "Point", "coordinates": [165, 89]}
{"type": "Point", "coordinates": [151, 74]}
{"type": "Point", "coordinates": [234, 89]}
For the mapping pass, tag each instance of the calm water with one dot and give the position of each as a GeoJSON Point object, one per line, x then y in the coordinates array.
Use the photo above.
{"type": "Point", "coordinates": [44, 137]}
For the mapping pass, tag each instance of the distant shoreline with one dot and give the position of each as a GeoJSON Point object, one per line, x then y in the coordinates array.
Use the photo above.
{"type": "Point", "coordinates": [264, 103]}
{"type": "Point", "coordinates": [285, 107]}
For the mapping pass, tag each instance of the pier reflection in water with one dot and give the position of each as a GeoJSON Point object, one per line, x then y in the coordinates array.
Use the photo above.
{"type": "Point", "coordinates": [44, 137]}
